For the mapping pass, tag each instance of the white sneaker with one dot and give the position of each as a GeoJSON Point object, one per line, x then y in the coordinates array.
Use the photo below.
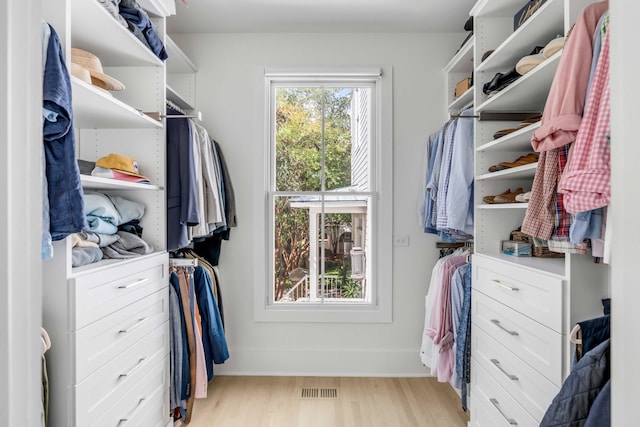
{"type": "Point", "coordinates": [523, 197]}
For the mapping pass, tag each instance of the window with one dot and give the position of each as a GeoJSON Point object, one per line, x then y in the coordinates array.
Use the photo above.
{"type": "Point", "coordinates": [328, 213]}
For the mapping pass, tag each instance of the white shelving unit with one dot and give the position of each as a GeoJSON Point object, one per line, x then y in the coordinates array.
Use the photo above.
{"type": "Point", "coordinates": [538, 298]}
{"type": "Point", "coordinates": [108, 317]}
{"type": "Point", "coordinates": [98, 183]}
{"type": "Point", "coordinates": [181, 77]}
{"type": "Point", "coordinates": [95, 109]}
{"type": "Point", "coordinates": [459, 68]}
{"type": "Point", "coordinates": [528, 93]}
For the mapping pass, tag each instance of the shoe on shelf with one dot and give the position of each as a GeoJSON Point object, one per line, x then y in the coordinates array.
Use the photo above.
{"type": "Point", "coordinates": [490, 199]}
{"type": "Point", "coordinates": [508, 198]}
{"type": "Point", "coordinates": [531, 61]}
{"type": "Point", "coordinates": [520, 161]}
{"type": "Point", "coordinates": [529, 121]}
{"type": "Point", "coordinates": [553, 46]}
{"type": "Point", "coordinates": [502, 132]}
{"type": "Point", "coordinates": [523, 197]}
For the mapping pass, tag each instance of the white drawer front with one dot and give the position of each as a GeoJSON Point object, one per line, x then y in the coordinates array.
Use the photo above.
{"type": "Point", "coordinates": [536, 295]}
{"type": "Point", "coordinates": [100, 293]}
{"type": "Point", "coordinates": [147, 392]}
{"type": "Point", "coordinates": [102, 389]}
{"type": "Point", "coordinates": [497, 401]}
{"type": "Point", "coordinates": [155, 413]}
{"type": "Point", "coordinates": [105, 339]}
{"type": "Point", "coordinates": [532, 390]}
{"type": "Point", "coordinates": [481, 414]}
{"type": "Point", "coordinates": [534, 343]}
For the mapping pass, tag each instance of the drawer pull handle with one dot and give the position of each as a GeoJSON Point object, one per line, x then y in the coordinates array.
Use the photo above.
{"type": "Point", "coordinates": [135, 368]}
{"type": "Point", "coordinates": [497, 323]}
{"type": "Point", "coordinates": [124, 420]}
{"type": "Point", "coordinates": [137, 325]}
{"type": "Point", "coordinates": [510, 376]}
{"type": "Point", "coordinates": [496, 404]}
{"type": "Point", "coordinates": [134, 284]}
{"type": "Point", "coordinates": [502, 285]}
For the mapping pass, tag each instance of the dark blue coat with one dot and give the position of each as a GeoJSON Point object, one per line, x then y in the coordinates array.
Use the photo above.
{"type": "Point", "coordinates": [213, 338]}
{"type": "Point", "coordinates": [573, 402]}
{"type": "Point", "coordinates": [182, 210]}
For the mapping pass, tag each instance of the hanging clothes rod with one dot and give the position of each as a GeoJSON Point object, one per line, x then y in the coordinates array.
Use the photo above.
{"type": "Point", "coordinates": [158, 116]}
{"type": "Point", "coordinates": [180, 116]}
{"type": "Point", "coordinates": [183, 262]}
{"type": "Point", "coordinates": [460, 116]}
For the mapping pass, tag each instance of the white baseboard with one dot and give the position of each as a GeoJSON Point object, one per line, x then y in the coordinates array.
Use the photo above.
{"type": "Point", "coordinates": [323, 362]}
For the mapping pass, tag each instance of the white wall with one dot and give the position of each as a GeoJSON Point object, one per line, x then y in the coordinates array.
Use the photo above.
{"type": "Point", "coordinates": [625, 205]}
{"type": "Point", "coordinates": [229, 94]}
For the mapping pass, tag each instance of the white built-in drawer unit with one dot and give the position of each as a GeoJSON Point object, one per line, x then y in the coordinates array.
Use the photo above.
{"type": "Point", "coordinates": [112, 345]}
{"type": "Point", "coordinates": [101, 390]}
{"type": "Point", "coordinates": [149, 392]}
{"type": "Point", "coordinates": [531, 389]}
{"type": "Point", "coordinates": [103, 340]}
{"type": "Point", "coordinates": [502, 407]}
{"type": "Point", "coordinates": [534, 343]}
{"type": "Point", "coordinates": [531, 293]}
{"type": "Point", "coordinates": [99, 293]}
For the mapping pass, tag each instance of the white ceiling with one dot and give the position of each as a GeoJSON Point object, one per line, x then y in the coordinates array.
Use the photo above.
{"type": "Point", "coordinates": [283, 16]}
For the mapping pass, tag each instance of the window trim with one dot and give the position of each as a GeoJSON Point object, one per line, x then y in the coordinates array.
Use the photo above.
{"type": "Point", "coordinates": [380, 308]}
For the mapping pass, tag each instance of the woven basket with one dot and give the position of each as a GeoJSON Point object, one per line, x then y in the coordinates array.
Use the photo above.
{"type": "Point", "coordinates": [538, 251]}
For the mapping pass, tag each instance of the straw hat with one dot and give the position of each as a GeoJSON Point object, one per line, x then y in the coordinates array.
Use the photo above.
{"type": "Point", "coordinates": [91, 63]}
{"type": "Point", "coordinates": [83, 74]}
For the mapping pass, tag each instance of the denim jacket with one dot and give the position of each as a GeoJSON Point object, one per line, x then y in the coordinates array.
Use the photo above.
{"type": "Point", "coordinates": [66, 206]}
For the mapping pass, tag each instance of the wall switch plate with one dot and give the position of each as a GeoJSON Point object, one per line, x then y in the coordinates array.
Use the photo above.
{"type": "Point", "coordinates": [401, 241]}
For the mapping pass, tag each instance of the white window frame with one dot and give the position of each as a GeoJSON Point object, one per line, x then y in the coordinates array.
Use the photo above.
{"type": "Point", "coordinates": [381, 182]}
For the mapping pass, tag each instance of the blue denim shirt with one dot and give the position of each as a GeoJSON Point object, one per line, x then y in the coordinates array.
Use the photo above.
{"type": "Point", "coordinates": [66, 207]}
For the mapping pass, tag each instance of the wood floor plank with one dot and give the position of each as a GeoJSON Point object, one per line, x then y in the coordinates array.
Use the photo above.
{"type": "Point", "coordinates": [235, 401]}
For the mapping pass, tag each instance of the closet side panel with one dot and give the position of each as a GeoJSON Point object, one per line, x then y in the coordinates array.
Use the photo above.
{"type": "Point", "coordinates": [20, 212]}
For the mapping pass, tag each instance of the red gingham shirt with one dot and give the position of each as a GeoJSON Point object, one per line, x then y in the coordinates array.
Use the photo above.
{"type": "Point", "coordinates": [586, 182]}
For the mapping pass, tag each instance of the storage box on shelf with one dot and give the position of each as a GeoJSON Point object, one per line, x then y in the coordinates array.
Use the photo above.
{"type": "Point", "coordinates": [523, 307]}
{"type": "Point", "coordinates": [108, 321]}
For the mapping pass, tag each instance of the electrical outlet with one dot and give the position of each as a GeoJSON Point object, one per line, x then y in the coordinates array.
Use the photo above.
{"type": "Point", "coordinates": [401, 241]}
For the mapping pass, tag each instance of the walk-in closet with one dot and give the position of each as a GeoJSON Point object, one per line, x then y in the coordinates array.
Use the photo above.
{"type": "Point", "coordinates": [318, 214]}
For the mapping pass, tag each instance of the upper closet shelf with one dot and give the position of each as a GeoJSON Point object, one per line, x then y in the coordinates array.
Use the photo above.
{"type": "Point", "coordinates": [95, 30]}
{"type": "Point", "coordinates": [501, 8]}
{"type": "Point", "coordinates": [545, 25]}
{"type": "Point", "coordinates": [462, 62]}
{"type": "Point", "coordinates": [461, 101]}
{"type": "Point", "coordinates": [93, 108]}
{"type": "Point", "coordinates": [519, 140]}
{"type": "Point", "coordinates": [176, 98]}
{"type": "Point", "coordinates": [159, 7]}
{"type": "Point", "coordinates": [528, 93]}
{"type": "Point", "coordinates": [98, 183]}
{"type": "Point", "coordinates": [178, 62]}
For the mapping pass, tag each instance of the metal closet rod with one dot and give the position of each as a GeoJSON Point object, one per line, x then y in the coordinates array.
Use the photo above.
{"type": "Point", "coordinates": [158, 116]}
{"type": "Point", "coordinates": [498, 116]}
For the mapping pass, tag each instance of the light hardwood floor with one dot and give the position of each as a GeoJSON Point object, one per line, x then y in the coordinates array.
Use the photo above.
{"type": "Point", "coordinates": [361, 402]}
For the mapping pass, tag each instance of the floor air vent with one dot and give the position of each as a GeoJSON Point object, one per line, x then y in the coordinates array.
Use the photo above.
{"type": "Point", "coordinates": [319, 393]}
